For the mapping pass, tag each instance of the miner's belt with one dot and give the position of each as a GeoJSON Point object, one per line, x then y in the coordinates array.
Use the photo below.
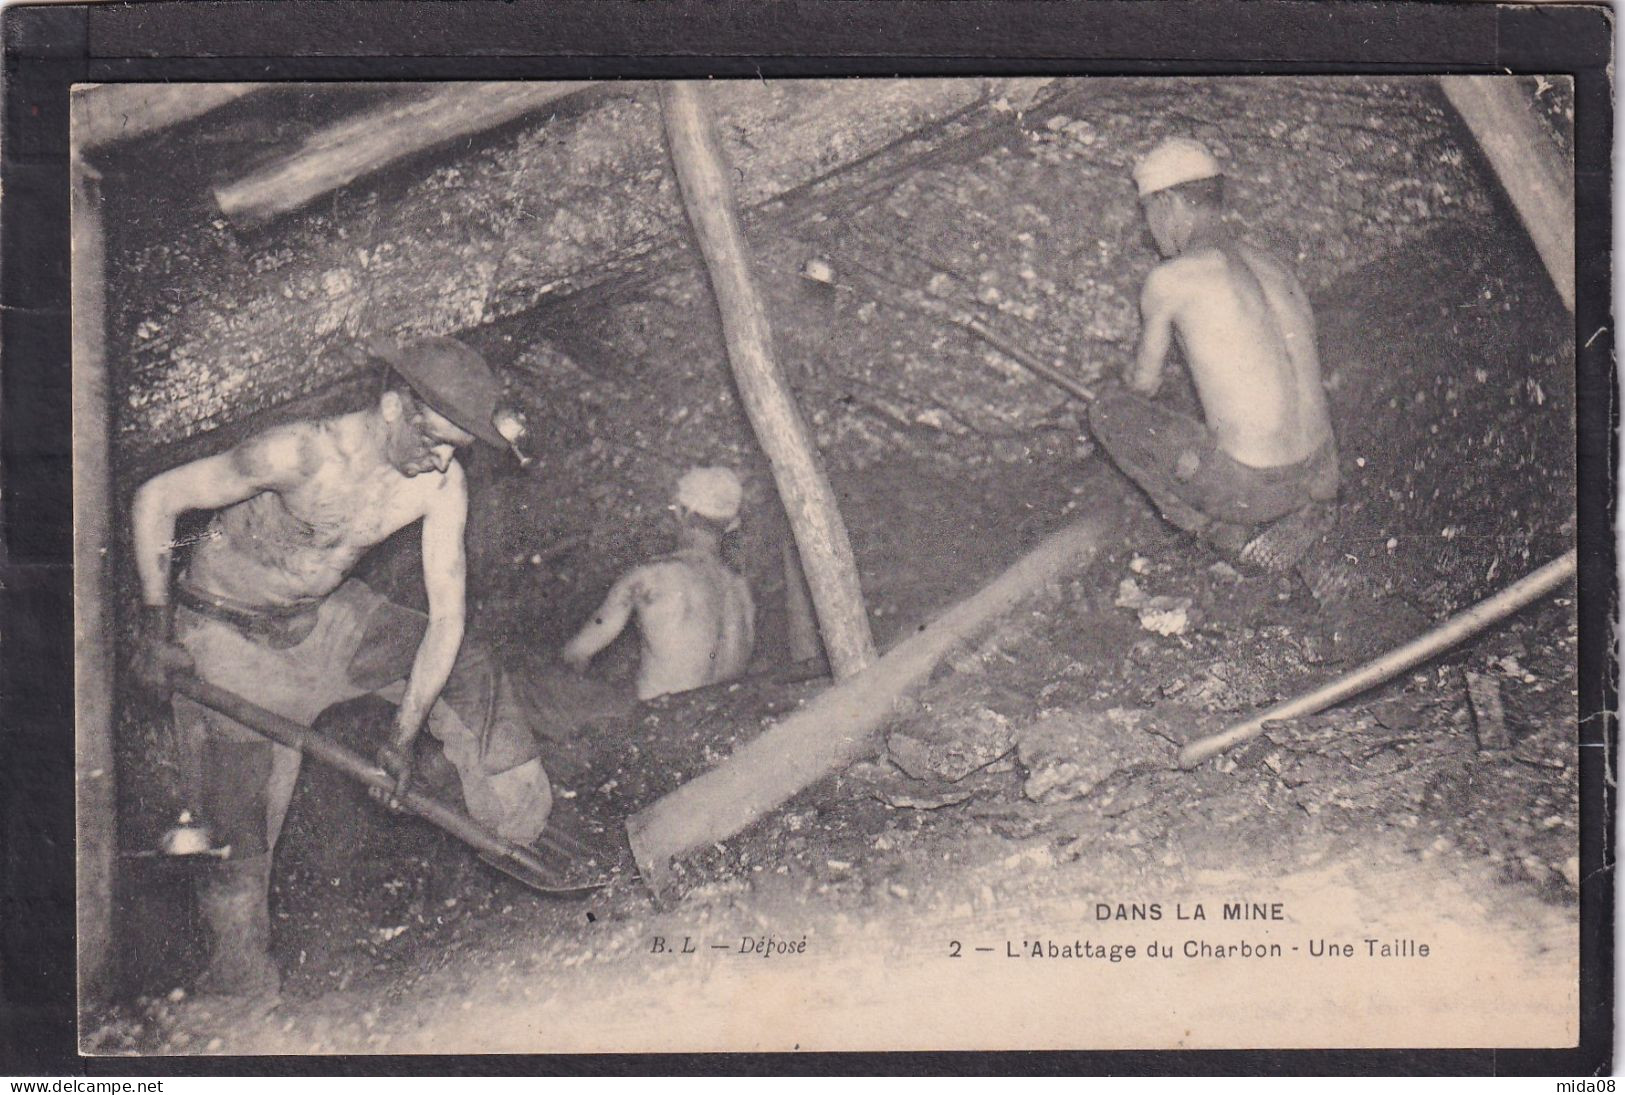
{"type": "Point", "coordinates": [250, 619]}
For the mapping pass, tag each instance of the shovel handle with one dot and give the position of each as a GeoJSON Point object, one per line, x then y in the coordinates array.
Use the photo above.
{"type": "Point", "coordinates": [285, 731]}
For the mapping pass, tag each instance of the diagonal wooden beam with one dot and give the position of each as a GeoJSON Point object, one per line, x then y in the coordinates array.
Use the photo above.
{"type": "Point", "coordinates": [1457, 629]}
{"type": "Point", "coordinates": [1528, 164]}
{"type": "Point", "coordinates": [840, 724]}
{"type": "Point", "coordinates": [372, 140]}
{"type": "Point", "coordinates": [105, 113]}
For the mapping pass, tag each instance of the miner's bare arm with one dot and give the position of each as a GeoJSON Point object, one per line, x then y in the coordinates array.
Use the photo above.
{"type": "Point", "coordinates": [445, 569]}
{"type": "Point", "coordinates": [602, 627]}
{"type": "Point", "coordinates": [1156, 331]}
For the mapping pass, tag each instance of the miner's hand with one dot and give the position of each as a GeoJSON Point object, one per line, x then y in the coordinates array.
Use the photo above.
{"type": "Point", "coordinates": [157, 655]}
{"type": "Point", "coordinates": [395, 758]}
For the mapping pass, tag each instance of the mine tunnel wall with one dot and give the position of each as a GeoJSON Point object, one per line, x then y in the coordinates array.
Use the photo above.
{"type": "Point", "coordinates": [1027, 201]}
{"type": "Point", "coordinates": [1006, 200]}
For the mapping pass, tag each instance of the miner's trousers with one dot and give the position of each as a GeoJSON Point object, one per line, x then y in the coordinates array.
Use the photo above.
{"type": "Point", "coordinates": [355, 642]}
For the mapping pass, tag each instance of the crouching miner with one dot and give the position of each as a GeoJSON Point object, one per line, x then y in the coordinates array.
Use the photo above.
{"type": "Point", "coordinates": [1266, 450]}
{"type": "Point", "coordinates": [695, 615]}
{"type": "Point", "coordinates": [266, 609]}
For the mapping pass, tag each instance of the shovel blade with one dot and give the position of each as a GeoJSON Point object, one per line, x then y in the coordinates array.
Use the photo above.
{"type": "Point", "coordinates": [564, 860]}
{"type": "Point", "coordinates": [542, 880]}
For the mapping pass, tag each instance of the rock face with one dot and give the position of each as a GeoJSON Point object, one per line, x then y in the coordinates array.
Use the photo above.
{"type": "Point", "coordinates": [451, 241]}
{"type": "Point", "coordinates": [953, 745]}
{"type": "Point", "coordinates": [1067, 754]}
{"type": "Point", "coordinates": [1009, 199]}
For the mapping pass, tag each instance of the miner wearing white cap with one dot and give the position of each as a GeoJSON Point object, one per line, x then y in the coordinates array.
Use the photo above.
{"type": "Point", "coordinates": [696, 618]}
{"type": "Point", "coordinates": [1247, 334]}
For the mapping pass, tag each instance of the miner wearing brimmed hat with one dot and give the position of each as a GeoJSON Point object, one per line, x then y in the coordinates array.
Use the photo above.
{"type": "Point", "coordinates": [1247, 333]}
{"type": "Point", "coordinates": [696, 617]}
{"type": "Point", "coordinates": [266, 608]}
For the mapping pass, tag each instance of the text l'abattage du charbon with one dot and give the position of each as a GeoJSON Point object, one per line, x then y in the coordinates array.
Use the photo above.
{"type": "Point", "coordinates": [1047, 947]}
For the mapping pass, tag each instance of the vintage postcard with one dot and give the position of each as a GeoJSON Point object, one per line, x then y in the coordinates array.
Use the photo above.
{"type": "Point", "coordinates": [978, 563]}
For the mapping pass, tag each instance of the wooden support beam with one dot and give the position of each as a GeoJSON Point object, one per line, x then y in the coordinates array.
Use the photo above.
{"type": "Point", "coordinates": [1489, 714]}
{"type": "Point", "coordinates": [815, 518]}
{"type": "Point", "coordinates": [801, 627]}
{"type": "Point", "coordinates": [94, 798]}
{"type": "Point", "coordinates": [119, 112]}
{"type": "Point", "coordinates": [1528, 164]}
{"type": "Point", "coordinates": [840, 724]}
{"type": "Point", "coordinates": [360, 145]}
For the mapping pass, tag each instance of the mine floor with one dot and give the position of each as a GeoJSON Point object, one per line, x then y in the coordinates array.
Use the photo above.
{"type": "Point", "coordinates": [1041, 785]}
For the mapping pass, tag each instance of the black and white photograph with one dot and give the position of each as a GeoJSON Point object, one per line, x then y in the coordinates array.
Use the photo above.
{"type": "Point", "coordinates": [969, 563]}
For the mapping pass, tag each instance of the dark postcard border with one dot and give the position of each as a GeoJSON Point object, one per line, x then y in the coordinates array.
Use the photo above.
{"type": "Point", "coordinates": [47, 48]}
{"type": "Point", "coordinates": [1212, 30]}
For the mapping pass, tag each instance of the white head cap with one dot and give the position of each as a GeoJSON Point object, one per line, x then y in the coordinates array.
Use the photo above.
{"type": "Point", "coordinates": [714, 493]}
{"type": "Point", "coordinates": [1176, 160]}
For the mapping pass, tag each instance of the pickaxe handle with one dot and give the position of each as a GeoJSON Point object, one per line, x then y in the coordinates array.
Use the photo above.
{"type": "Point", "coordinates": [920, 302]}
{"type": "Point", "coordinates": [1463, 625]}
{"type": "Point", "coordinates": [1025, 360]}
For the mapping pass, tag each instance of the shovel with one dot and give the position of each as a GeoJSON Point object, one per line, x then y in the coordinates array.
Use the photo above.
{"type": "Point", "coordinates": [560, 864]}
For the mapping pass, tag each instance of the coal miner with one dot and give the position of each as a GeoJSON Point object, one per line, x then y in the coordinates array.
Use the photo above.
{"type": "Point", "coordinates": [266, 609]}
{"type": "Point", "coordinates": [1266, 449]}
{"type": "Point", "coordinates": [695, 615]}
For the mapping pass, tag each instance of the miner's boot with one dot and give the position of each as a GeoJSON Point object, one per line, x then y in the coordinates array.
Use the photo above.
{"type": "Point", "coordinates": [233, 898]}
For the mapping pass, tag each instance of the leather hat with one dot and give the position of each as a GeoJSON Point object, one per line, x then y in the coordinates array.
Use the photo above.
{"type": "Point", "coordinates": [452, 379]}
